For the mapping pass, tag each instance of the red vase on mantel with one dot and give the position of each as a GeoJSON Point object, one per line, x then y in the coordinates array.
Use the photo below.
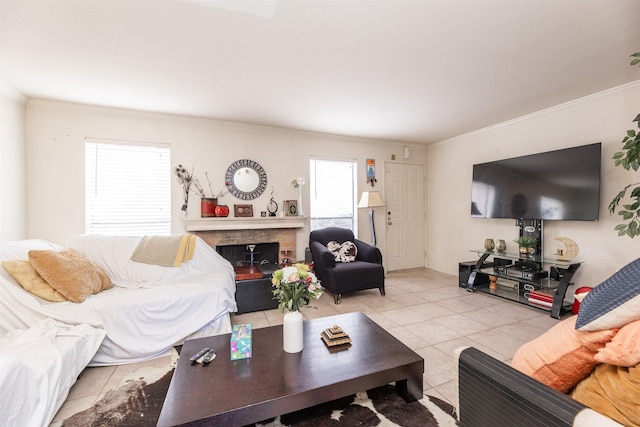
{"type": "Point", "coordinates": [208, 207]}
{"type": "Point", "coordinates": [222, 210]}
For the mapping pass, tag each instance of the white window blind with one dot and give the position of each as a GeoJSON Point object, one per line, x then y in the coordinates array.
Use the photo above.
{"type": "Point", "coordinates": [128, 188]}
{"type": "Point", "coordinates": [333, 194]}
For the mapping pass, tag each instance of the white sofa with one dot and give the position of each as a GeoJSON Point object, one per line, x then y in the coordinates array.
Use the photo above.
{"type": "Point", "coordinates": [45, 345]}
{"type": "Point", "coordinates": [38, 366]}
{"type": "Point", "coordinates": [149, 309]}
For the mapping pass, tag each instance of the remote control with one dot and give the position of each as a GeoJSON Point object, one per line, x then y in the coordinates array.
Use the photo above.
{"type": "Point", "coordinates": [211, 354]}
{"type": "Point", "coordinates": [199, 354]}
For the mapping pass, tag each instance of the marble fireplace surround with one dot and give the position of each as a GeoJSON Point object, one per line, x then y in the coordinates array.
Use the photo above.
{"type": "Point", "coordinates": [245, 231]}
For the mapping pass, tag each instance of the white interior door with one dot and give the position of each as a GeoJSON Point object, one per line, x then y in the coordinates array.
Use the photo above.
{"type": "Point", "coordinates": [404, 185]}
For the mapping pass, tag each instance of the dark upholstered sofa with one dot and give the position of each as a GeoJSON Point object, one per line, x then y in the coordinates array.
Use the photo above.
{"type": "Point", "coordinates": [366, 272]}
{"type": "Point", "coordinates": [492, 393]}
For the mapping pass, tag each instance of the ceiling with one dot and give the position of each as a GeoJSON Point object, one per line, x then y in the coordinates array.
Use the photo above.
{"type": "Point", "coordinates": [411, 71]}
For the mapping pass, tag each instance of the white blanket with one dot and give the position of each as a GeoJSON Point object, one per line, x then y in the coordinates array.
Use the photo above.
{"type": "Point", "coordinates": [38, 366]}
{"type": "Point", "coordinates": [150, 309]}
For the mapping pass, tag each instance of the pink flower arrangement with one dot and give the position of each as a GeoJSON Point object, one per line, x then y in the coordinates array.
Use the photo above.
{"type": "Point", "coordinates": [294, 287]}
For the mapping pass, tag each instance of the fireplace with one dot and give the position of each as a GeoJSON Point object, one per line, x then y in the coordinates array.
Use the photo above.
{"type": "Point", "coordinates": [275, 244]}
{"type": "Point", "coordinates": [250, 254]}
{"type": "Point", "coordinates": [250, 231]}
{"type": "Point", "coordinates": [285, 238]}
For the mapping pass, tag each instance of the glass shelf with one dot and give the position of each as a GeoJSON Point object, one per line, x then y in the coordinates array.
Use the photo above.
{"type": "Point", "coordinates": [516, 256]}
{"type": "Point", "coordinates": [543, 282]}
{"type": "Point", "coordinates": [516, 294]}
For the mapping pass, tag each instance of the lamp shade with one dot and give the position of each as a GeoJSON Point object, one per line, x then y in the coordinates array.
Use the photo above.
{"type": "Point", "coordinates": [371, 199]}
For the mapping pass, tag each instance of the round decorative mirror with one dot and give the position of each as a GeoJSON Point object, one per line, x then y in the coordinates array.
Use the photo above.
{"type": "Point", "coordinates": [246, 179]}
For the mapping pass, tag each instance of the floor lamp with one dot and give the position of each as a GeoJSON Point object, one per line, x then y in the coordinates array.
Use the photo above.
{"type": "Point", "coordinates": [371, 199]}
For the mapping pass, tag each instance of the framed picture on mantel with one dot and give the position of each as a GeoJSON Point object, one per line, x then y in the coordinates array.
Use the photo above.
{"type": "Point", "coordinates": [291, 208]}
{"type": "Point", "coordinates": [243, 210]}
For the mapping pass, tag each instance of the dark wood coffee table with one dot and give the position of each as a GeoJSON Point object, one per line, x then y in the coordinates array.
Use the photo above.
{"type": "Point", "coordinates": [272, 383]}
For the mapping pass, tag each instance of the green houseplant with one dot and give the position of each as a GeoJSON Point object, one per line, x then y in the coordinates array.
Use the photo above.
{"type": "Point", "coordinates": [525, 243]}
{"type": "Point", "coordinates": [629, 158]}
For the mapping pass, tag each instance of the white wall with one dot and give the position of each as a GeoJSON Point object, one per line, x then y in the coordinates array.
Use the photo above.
{"type": "Point", "coordinates": [602, 117]}
{"type": "Point", "coordinates": [57, 131]}
{"type": "Point", "coordinates": [13, 164]}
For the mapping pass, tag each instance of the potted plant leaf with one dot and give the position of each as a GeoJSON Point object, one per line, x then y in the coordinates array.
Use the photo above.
{"type": "Point", "coordinates": [629, 158]}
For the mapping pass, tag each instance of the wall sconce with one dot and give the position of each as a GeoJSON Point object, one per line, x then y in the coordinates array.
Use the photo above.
{"type": "Point", "coordinates": [407, 152]}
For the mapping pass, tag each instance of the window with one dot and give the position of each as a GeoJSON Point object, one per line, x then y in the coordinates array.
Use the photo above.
{"type": "Point", "coordinates": [128, 188]}
{"type": "Point", "coordinates": [333, 194]}
{"type": "Point", "coordinates": [482, 200]}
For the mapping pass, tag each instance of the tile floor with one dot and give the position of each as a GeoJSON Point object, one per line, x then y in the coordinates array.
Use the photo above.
{"type": "Point", "coordinates": [424, 309]}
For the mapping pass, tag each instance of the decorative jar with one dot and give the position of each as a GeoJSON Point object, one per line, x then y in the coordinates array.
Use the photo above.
{"type": "Point", "coordinates": [222, 210]}
{"type": "Point", "coordinates": [489, 244]}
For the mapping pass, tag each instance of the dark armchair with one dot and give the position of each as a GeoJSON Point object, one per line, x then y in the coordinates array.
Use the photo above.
{"type": "Point", "coordinates": [366, 272]}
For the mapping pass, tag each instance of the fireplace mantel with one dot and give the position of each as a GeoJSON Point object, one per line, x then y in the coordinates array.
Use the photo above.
{"type": "Point", "coordinates": [214, 224]}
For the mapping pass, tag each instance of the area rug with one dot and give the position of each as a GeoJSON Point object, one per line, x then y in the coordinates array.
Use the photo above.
{"type": "Point", "coordinates": [137, 401]}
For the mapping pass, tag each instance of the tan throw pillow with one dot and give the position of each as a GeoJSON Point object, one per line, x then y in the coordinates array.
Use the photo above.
{"type": "Point", "coordinates": [624, 348]}
{"type": "Point", "coordinates": [70, 273]}
{"type": "Point", "coordinates": [561, 356]}
{"type": "Point", "coordinates": [31, 281]}
{"type": "Point", "coordinates": [613, 391]}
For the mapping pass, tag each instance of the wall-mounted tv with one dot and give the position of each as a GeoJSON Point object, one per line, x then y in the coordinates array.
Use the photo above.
{"type": "Point", "coordinates": [555, 185]}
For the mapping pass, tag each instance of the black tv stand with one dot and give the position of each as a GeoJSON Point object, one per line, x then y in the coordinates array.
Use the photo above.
{"type": "Point", "coordinates": [519, 276]}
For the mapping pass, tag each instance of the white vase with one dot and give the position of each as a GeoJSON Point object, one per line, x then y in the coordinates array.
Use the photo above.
{"type": "Point", "coordinates": [292, 332]}
{"type": "Point", "coordinates": [300, 206]}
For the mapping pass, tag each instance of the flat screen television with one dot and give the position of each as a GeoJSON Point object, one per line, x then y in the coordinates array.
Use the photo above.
{"type": "Point", "coordinates": [555, 185]}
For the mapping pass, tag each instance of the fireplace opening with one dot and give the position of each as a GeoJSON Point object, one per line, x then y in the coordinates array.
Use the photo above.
{"type": "Point", "coordinates": [250, 254]}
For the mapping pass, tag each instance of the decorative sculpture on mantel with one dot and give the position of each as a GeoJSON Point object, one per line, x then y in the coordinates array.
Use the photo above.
{"type": "Point", "coordinates": [272, 207]}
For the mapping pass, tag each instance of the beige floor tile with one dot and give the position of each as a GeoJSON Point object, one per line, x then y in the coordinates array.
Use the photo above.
{"type": "Point", "coordinates": [438, 366]}
{"type": "Point", "coordinates": [433, 332]}
{"type": "Point", "coordinates": [73, 406]}
{"type": "Point", "coordinates": [481, 300]}
{"type": "Point", "coordinates": [406, 316]}
{"type": "Point", "coordinates": [257, 319]}
{"type": "Point", "coordinates": [448, 390]}
{"type": "Point", "coordinates": [430, 310]}
{"type": "Point", "coordinates": [523, 330]}
{"type": "Point", "coordinates": [91, 381]}
{"type": "Point", "coordinates": [448, 347]}
{"type": "Point", "coordinates": [498, 341]}
{"type": "Point", "coordinates": [453, 292]}
{"type": "Point", "coordinates": [274, 317]}
{"type": "Point", "coordinates": [382, 320]}
{"type": "Point", "coordinates": [410, 287]}
{"type": "Point", "coordinates": [496, 316]}
{"type": "Point", "coordinates": [407, 299]}
{"type": "Point", "coordinates": [543, 321]}
{"type": "Point", "coordinates": [408, 338]}
{"type": "Point", "coordinates": [439, 294]}
{"type": "Point", "coordinates": [458, 304]}
{"type": "Point", "coordinates": [462, 324]}
{"type": "Point", "coordinates": [514, 311]}
{"type": "Point", "coordinates": [381, 303]}
{"type": "Point", "coordinates": [320, 311]}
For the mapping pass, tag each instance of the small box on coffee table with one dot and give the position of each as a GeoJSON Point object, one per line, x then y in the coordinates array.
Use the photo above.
{"type": "Point", "coordinates": [241, 342]}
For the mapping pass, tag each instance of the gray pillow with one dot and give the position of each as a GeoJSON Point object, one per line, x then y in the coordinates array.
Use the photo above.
{"type": "Point", "coordinates": [613, 303]}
